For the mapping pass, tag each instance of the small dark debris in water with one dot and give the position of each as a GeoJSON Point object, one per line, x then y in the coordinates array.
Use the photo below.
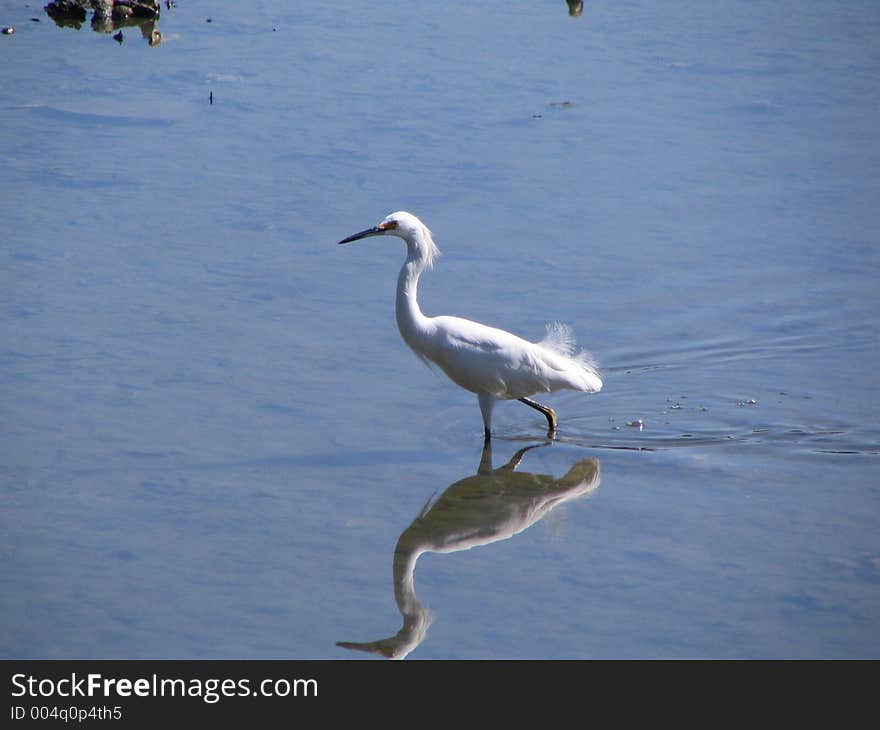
{"type": "Point", "coordinates": [8, 30]}
{"type": "Point", "coordinates": [119, 38]}
{"type": "Point", "coordinates": [563, 104]}
{"type": "Point", "coordinates": [169, 4]}
{"type": "Point", "coordinates": [210, 97]}
{"type": "Point", "coordinates": [749, 402]}
{"type": "Point", "coordinates": [537, 116]}
{"type": "Point", "coordinates": [638, 423]}
{"type": "Point", "coordinates": [209, 20]}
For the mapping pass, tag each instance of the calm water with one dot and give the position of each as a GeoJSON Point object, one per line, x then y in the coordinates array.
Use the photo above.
{"type": "Point", "coordinates": [214, 443]}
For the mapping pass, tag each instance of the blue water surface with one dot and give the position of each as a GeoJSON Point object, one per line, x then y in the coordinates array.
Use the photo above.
{"type": "Point", "coordinates": [213, 442]}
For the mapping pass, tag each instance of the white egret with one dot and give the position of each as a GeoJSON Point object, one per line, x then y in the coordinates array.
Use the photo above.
{"type": "Point", "coordinates": [493, 363]}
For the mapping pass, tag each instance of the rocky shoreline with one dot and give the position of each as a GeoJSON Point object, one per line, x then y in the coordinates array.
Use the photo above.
{"type": "Point", "coordinates": [109, 16]}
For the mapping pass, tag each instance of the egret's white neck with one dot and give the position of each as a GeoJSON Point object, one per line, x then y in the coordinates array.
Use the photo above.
{"type": "Point", "coordinates": [410, 320]}
{"type": "Point", "coordinates": [413, 325]}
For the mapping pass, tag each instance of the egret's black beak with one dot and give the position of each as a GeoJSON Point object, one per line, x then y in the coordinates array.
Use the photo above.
{"type": "Point", "coordinates": [363, 234]}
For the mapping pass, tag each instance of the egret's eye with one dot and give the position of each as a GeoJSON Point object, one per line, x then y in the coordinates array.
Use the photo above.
{"type": "Point", "coordinates": [388, 226]}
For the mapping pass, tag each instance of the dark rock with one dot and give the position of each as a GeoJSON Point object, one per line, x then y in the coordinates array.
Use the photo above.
{"type": "Point", "coordinates": [67, 13]}
{"type": "Point", "coordinates": [108, 15]}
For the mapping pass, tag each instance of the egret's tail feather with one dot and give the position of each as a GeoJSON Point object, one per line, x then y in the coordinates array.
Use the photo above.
{"type": "Point", "coordinates": [592, 376]}
{"type": "Point", "coordinates": [559, 338]}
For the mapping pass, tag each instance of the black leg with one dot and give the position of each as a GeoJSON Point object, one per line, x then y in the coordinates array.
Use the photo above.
{"type": "Point", "coordinates": [549, 413]}
{"type": "Point", "coordinates": [487, 435]}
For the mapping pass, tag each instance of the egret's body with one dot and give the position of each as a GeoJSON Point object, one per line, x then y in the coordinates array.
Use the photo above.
{"type": "Point", "coordinates": [493, 363]}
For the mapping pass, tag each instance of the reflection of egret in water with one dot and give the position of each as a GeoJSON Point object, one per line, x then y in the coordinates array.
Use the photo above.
{"type": "Point", "coordinates": [492, 505]}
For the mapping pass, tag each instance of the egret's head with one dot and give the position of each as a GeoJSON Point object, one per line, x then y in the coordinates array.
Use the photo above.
{"type": "Point", "coordinates": [402, 224]}
{"type": "Point", "coordinates": [406, 226]}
